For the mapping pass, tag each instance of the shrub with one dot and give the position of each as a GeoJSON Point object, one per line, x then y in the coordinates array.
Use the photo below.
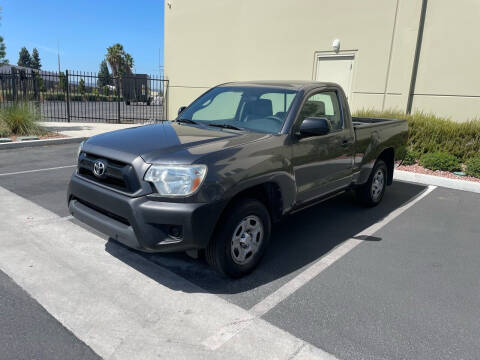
{"type": "Point", "coordinates": [76, 97]}
{"type": "Point", "coordinates": [428, 133]}
{"type": "Point", "coordinates": [411, 157]}
{"type": "Point", "coordinates": [4, 130]}
{"type": "Point", "coordinates": [440, 161]}
{"type": "Point", "coordinates": [473, 167]}
{"type": "Point", "coordinates": [54, 97]}
{"type": "Point", "coordinates": [21, 119]}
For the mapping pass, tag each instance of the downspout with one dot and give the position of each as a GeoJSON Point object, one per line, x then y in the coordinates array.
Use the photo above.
{"type": "Point", "coordinates": [417, 56]}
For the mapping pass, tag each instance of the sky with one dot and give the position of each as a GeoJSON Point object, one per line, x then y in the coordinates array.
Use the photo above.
{"type": "Point", "coordinates": [83, 29]}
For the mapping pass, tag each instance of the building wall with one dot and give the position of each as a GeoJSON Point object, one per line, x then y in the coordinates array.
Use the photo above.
{"type": "Point", "coordinates": [448, 80]}
{"type": "Point", "coordinates": [214, 41]}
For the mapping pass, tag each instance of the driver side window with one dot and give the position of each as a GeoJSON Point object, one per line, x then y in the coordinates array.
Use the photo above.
{"type": "Point", "coordinates": [324, 104]}
{"type": "Point", "coordinates": [221, 107]}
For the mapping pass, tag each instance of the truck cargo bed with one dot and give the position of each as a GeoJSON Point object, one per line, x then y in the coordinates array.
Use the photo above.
{"type": "Point", "coordinates": [368, 122]}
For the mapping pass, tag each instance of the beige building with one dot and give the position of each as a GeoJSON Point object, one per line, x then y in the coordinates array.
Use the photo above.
{"type": "Point", "coordinates": [373, 48]}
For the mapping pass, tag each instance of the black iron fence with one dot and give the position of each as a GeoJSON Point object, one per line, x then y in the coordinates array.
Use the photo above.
{"type": "Point", "coordinates": [75, 96]}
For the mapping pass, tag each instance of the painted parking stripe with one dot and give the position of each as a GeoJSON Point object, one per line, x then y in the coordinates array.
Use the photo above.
{"type": "Point", "coordinates": [268, 303]}
{"type": "Point", "coordinates": [38, 170]}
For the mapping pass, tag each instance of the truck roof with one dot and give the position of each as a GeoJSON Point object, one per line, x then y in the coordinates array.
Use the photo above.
{"type": "Point", "coordinates": [292, 84]}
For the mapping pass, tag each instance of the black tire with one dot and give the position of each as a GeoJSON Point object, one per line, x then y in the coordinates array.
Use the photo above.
{"type": "Point", "coordinates": [220, 253]}
{"type": "Point", "coordinates": [366, 193]}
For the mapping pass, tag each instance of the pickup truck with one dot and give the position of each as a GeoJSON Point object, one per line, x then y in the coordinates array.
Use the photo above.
{"type": "Point", "coordinates": [239, 158]}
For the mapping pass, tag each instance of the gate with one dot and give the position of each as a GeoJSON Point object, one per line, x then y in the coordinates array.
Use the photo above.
{"type": "Point", "coordinates": [87, 97]}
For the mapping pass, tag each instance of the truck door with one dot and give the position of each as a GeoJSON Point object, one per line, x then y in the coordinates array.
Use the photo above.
{"type": "Point", "coordinates": [322, 163]}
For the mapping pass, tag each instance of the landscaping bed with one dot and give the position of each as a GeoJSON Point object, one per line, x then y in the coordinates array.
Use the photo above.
{"type": "Point", "coordinates": [48, 135]}
{"type": "Point", "coordinates": [19, 122]}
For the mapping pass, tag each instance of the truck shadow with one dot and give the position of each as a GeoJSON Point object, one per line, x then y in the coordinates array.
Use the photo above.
{"type": "Point", "coordinates": [296, 242]}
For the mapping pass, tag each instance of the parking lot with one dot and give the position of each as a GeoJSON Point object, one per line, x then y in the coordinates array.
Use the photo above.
{"type": "Point", "coordinates": [96, 111]}
{"type": "Point", "coordinates": [337, 279]}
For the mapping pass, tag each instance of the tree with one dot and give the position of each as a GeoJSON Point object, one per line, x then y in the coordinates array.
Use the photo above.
{"type": "Point", "coordinates": [62, 81]}
{"type": "Point", "coordinates": [81, 87]}
{"type": "Point", "coordinates": [35, 60]}
{"type": "Point", "coordinates": [120, 62]}
{"type": "Point", "coordinates": [104, 77]}
{"type": "Point", "coordinates": [40, 84]}
{"type": "Point", "coordinates": [24, 58]}
{"type": "Point", "coordinates": [3, 52]}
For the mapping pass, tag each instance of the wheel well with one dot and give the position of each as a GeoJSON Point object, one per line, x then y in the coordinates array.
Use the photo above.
{"type": "Point", "coordinates": [388, 157]}
{"type": "Point", "coordinates": [268, 193]}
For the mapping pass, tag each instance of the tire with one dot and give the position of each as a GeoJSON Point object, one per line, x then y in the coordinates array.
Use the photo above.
{"type": "Point", "coordinates": [243, 234]}
{"type": "Point", "coordinates": [371, 193]}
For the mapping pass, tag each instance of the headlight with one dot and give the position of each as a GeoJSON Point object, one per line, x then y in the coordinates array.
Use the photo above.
{"type": "Point", "coordinates": [176, 180]}
{"type": "Point", "coordinates": [80, 148]}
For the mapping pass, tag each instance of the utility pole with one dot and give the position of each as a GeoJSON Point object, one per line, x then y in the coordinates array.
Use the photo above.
{"type": "Point", "coordinates": [58, 56]}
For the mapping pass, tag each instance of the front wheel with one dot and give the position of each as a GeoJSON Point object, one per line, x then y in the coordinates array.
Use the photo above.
{"type": "Point", "coordinates": [371, 193]}
{"type": "Point", "coordinates": [241, 239]}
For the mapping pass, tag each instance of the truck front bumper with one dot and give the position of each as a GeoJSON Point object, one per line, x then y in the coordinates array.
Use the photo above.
{"type": "Point", "coordinates": [143, 223]}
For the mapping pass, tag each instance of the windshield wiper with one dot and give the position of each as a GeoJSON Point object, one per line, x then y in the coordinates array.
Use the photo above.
{"type": "Point", "coordinates": [226, 126]}
{"type": "Point", "coordinates": [186, 121]}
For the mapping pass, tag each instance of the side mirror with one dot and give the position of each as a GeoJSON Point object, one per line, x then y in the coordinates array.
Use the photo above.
{"type": "Point", "coordinates": [314, 126]}
{"type": "Point", "coordinates": [180, 110]}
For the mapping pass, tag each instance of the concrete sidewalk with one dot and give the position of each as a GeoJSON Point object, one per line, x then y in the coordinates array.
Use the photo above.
{"type": "Point", "coordinates": [83, 129]}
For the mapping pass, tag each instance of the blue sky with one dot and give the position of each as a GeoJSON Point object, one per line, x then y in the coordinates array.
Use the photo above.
{"type": "Point", "coordinates": [84, 29]}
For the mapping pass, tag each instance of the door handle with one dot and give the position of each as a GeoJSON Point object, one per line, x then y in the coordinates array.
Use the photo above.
{"type": "Point", "coordinates": [345, 143]}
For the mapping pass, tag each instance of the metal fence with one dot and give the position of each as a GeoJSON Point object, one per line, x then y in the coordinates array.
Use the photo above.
{"type": "Point", "coordinates": [76, 96]}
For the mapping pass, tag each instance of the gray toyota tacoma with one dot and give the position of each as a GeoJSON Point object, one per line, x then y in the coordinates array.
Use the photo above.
{"type": "Point", "coordinates": [238, 159]}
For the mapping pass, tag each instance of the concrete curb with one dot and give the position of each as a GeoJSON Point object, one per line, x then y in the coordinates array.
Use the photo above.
{"type": "Point", "coordinates": [437, 180]}
{"type": "Point", "coordinates": [32, 143]}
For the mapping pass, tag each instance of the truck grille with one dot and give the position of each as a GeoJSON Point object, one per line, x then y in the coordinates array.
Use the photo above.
{"type": "Point", "coordinates": [117, 175]}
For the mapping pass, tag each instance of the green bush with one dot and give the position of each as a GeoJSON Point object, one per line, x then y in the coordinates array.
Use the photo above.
{"type": "Point", "coordinates": [440, 161]}
{"type": "Point", "coordinates": [21, 119]}
{"type": "Point", "coordinates": [411, 157]}
{"type": "Point", "coordinates": [473, 167]}
{"type": "Point", "coordinates": [54, 97]}
{"type": "Point", "coordinates": [76, 97]}
{"type": "Point", "coordinates": [428, 133]}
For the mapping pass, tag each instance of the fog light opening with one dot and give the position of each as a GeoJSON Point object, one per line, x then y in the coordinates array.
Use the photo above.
{"type": "Point", "coordinates": [175, 232]}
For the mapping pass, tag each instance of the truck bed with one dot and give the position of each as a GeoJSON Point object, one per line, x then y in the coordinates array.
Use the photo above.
{"type": "Point", "coordinates": [362, 122]}
{"type": "Point", "coordinates": [372, 136]}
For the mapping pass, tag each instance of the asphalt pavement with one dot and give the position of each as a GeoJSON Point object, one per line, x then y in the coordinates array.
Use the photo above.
{"type": "Point", "coordinates": [410, 290]}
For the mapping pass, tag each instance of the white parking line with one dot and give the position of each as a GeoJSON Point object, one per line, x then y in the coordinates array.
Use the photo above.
{"type": "Point", "coordinates": [37, 170]}
{"type": "Point", "coordinates": [268, 303]}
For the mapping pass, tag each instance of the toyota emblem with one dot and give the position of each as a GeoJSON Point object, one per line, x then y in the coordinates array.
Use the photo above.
{"type": "Point", "coordinates": [99, 168]}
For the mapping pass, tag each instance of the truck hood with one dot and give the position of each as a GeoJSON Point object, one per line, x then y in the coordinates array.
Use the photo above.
{"type": "Point", "coordinates": [166, 142]}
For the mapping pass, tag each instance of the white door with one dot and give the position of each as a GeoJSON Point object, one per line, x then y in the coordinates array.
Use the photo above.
{"type": "Point", "coordinates": [337, 69]}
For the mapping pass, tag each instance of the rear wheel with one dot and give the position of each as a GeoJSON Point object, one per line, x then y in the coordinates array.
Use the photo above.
{"type": "Point", "coordinates": [241, 239]}
{"type": "Point", "coordinates": [371, 193]}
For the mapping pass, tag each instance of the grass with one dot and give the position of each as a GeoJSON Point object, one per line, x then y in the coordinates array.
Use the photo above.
{"type": "Point", "coordinates": [4, 129]}
{"type": "Point", "coordinates": [20, 119]}
{"type": "Point", "coordinates": [428, 133]}
{"type": "Point", "coordinates": [473, 167]}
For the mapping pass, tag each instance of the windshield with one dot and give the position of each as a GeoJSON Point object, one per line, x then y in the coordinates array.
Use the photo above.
{"type": "Point", "coordinates": [259, 109]}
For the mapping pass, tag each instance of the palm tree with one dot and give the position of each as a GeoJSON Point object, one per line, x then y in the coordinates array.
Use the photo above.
{"type": "Point", "coordinates": [120, 62]}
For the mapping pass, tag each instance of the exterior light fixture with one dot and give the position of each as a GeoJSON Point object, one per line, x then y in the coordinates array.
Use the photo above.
{"type": "Point", "coordinates": [336, 45]}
